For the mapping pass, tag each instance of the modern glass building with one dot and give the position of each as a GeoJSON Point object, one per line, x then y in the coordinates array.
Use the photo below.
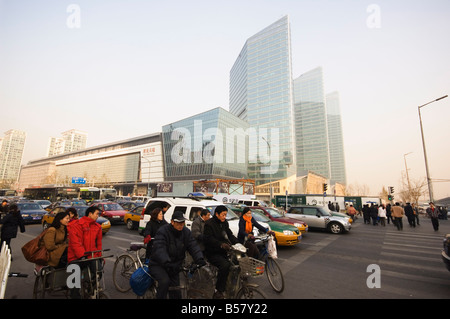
{"type": "Point", "coordinates": [209, 145]}
{"type": "Point", "coordinates": [311, 129]}
{"type": "Point", "coordinates": [261, 94]}
{"type": "Point", "coordinates": [335, 139]}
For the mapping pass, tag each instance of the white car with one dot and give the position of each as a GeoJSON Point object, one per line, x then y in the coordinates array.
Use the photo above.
{"type": "Point", "coordinates": [189, 207]}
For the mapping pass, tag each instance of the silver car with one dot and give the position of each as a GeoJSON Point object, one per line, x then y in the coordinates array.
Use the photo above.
{"type": "Point", "coordinates": [317, 217]}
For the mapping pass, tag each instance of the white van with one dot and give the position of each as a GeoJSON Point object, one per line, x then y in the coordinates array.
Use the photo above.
{"type": "Point", "coordinates": [253, 202]}
{"type": "Point", "coordinates": [189, 207]}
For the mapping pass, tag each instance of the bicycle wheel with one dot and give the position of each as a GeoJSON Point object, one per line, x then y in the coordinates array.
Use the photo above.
{"type": "Point", "coordinates": [250, 292]}
{"type": "Point", "coordinates": [124, 267]}
{"type": "Point", "coordinates": [202, 284]}
{"type": "Point", "coordinates": [150, 293]}
{"type": "Point", "coordinates": [39, 288]}
{"type": "Point", "coordinates": [274, 274]}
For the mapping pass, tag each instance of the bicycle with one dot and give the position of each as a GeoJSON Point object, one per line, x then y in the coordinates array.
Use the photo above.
{"type": "Point", "coordinates": [50, 280]}
{"type": "Point", "coordinates": [191, 285]}
{"type": "Point", "coordinates": [126, 264]}
{"type": "Point", "coordinates": [244, 267]}
{"type": "Point", "coordinates": [272, 268]}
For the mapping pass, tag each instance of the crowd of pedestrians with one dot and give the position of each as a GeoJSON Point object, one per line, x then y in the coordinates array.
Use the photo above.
{"type": "Point", "coordinates": [375, 214]}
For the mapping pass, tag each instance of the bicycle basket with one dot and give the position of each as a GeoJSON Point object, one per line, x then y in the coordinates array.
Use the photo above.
{"type": "Point", "coordinates": [251, 267]}
{"type": "Point", "coordinates": [140, 280]}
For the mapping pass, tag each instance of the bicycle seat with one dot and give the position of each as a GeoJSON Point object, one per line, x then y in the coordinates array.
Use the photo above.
{"type": "Point", "coordinates": [136, 246]}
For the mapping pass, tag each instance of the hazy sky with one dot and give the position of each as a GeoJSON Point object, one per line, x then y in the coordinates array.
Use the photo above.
{"type": "Point", "coordinates": [121, 69]}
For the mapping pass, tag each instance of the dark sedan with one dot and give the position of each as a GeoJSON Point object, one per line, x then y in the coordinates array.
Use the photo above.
{"type": "Point", "coordinates": [31, 212]}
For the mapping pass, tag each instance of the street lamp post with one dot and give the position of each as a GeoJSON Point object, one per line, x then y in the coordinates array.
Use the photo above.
{"type": "Point", "coordinates": [270, 178]}
{"type": "Point", "coordinates": [430, 186]}
{"type": "Point", "coordinates": [407, 176]}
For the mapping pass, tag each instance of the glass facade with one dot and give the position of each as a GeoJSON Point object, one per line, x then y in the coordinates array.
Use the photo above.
{"type": "Point", "coordinates": [335, 139]}
{"type": "Point", "coordinates": [261, 94]}
{"type": "Point", "coordinates": [208, 145]}
{"type": "Point", "coordinates": [311, 127]}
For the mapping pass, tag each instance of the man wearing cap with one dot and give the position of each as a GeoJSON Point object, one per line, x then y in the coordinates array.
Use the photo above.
{"type": "Point", "coordinates": [168, 252]}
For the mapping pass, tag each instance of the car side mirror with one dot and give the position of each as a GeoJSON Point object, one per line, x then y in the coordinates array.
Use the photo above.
{"type": "Point", "coordinates": [318, 215]}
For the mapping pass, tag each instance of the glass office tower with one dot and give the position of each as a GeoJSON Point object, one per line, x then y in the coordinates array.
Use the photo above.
{"type": "Point", "coordinates": [335, 139]}
{"type": "Point", "coordinates": [311, 129]}
{"type": "Point", "coordinates": [261, 94]}
{"type": "Point", "coordinates": [209, 145]}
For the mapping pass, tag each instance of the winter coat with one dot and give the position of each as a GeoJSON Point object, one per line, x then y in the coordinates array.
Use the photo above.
{"type": "Point", "coordinates": [397, 211]}
{"type": "Point", "coordinates": [11, 222]}
{"type": "Point", "coordinates": [214, 236]}
{"type": "Point", "coordinates": [150, 230]}
{"type": "Point", "coordinates": [242, 234]}
{"type": "Point", "coordinates": [55, 242]}
{"type": "Point", "coordinates": [170, 246]}
{"type": "Point", "coordinates": [85, 235]}
{"type": "Point", "coordinates": [197, 228]}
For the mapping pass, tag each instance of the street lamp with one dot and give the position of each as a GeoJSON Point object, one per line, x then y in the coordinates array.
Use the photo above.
{"type": "Point", "coordinates": [407, 175]}
{"type": "Point", "coordinates": [270, 178]}
{"type": "Point", "coordinates": [430, 187]}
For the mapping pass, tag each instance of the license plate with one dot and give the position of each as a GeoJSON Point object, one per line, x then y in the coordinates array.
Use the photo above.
{"type": "Point", "coordinates": [116, 216]}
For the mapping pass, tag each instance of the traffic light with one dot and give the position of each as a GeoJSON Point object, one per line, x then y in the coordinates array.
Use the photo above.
{"type": "Point", "coordinates": [390, 197]}
{"type": "Point", "coordinates": [325, 187]}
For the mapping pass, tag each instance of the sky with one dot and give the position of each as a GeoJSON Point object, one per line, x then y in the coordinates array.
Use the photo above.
{"type": "Point", "coordinates": [122, 69]}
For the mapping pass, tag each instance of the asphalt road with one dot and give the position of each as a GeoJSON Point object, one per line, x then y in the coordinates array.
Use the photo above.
{"type": "Point", "coordinates": [369, 262]}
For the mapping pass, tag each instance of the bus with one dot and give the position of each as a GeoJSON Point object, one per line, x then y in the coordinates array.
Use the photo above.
{"type": "Point", "coordinates": [52, 194]}
{"type": "Point", "coordinates": [7, 192]}
{"type": "Point", "coordinates": [90, 194]}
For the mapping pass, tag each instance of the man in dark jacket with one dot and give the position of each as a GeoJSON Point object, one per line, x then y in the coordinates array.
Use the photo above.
{"type": "Point", "coordinates": [409, 212]}
{"type": "Point", "coordinates": [168, 252]}
{"type": "Point", "coordinates": [218, 238]}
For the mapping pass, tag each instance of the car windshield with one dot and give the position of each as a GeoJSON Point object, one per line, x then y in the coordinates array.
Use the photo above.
{"type": "Point", "coordinates": [109, 207]}
{"type": "Point", "coordinates": [274, 213]}
{"type": "Point", "coordinates": [259, 216]}
{"type": "Point", "coordinates": [30, 206]}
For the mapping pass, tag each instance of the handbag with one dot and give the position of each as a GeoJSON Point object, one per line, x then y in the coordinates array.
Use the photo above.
{"type": "Point", "coordinates": [272, 248]}
{"type": "Point", "coordinates": [141, 280]}
{"type": "Point", "coordinates": [34, 253]}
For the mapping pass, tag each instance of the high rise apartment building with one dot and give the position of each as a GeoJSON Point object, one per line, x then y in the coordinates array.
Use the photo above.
{"type": "Point", "coordinates": [261, 95]}
{"type": "Point", "coordinates": [11, 152]}
{"type": "Point", "coordinates": [70, 141]}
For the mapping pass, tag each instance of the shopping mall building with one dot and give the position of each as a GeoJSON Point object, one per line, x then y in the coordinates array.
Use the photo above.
{"type": "Point", "coordinates": [163, 163]}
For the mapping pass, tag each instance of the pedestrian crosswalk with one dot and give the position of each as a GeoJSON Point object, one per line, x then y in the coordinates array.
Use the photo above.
{"type": "Point", "coordinates": [410, 260]}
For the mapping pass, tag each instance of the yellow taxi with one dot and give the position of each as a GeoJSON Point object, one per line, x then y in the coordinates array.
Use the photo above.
{"type": "Point", "coordinates": [133, 217]}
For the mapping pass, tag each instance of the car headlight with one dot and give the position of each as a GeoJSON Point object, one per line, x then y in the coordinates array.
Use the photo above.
{"type": "Point", "coordinates": [106, 223]}
{"type": "Point", "coordinates": [298, 225]}
{"type": "Point", "coordinates": [288, 232]}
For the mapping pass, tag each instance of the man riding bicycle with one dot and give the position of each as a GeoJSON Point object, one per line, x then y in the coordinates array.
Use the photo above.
{"type": "Point", "coordinates": [217, 238]}
{"type": "Point", "coordinates": [168, 253]}
{"type": "Point", "coordinates": [85, 235]}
